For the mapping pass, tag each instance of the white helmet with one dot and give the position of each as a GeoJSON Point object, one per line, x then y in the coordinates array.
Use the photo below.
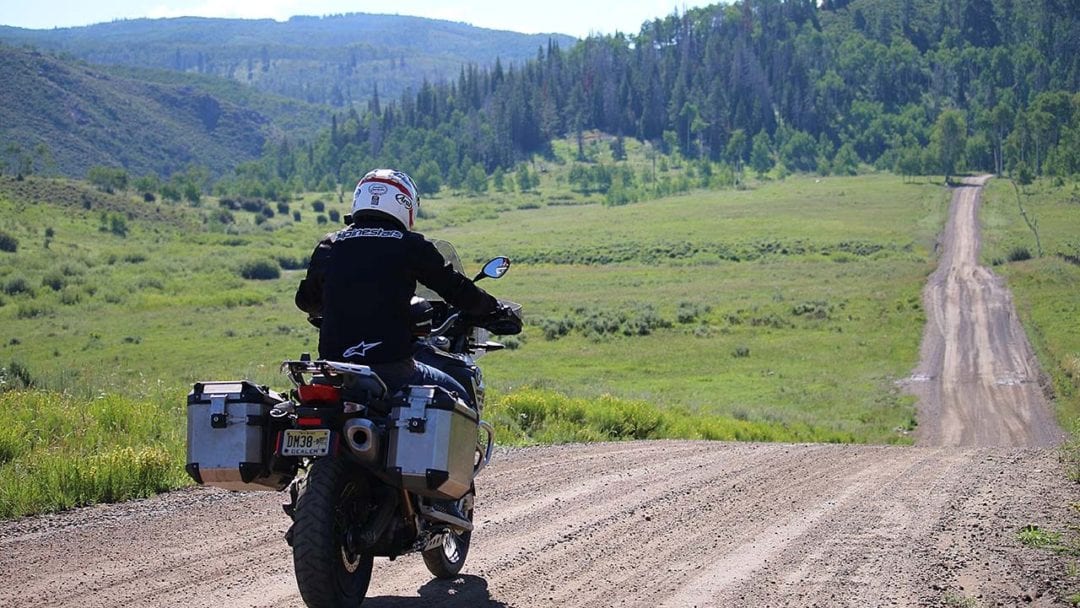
{"type": "Point", "coordinates": [388, 192]}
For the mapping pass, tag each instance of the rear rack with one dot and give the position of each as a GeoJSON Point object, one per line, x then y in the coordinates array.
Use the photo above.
{"type": "Point", "coordinates": [335, 373]}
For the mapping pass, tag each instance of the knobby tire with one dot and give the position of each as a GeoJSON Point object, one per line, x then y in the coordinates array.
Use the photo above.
{"type": "Point", "coordinates": [326, 574]}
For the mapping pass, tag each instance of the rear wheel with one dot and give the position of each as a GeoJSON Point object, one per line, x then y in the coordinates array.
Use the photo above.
{"type": "Point", "coordinates": [446, 560]}
{"type": "Point", "coordinates": [331, 502]}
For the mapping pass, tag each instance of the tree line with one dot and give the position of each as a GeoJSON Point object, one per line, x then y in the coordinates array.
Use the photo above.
{"type": "Point", "coordinates": [915, 86]}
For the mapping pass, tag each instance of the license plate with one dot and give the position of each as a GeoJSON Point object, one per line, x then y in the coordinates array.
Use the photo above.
{"type": "Point", "coordinates": [314, 442]}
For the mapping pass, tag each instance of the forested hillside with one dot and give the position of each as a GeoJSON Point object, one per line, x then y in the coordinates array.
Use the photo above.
{"type": "Point", "coordinates": [63, 116]}
{"type": "Point", "coordinates": [917, 86]}
{"type": "Point", "coordinates": [337, 60]}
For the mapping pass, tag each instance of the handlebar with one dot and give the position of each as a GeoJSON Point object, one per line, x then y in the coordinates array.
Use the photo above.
{"type": "Point", "coordinates": [446, 325]}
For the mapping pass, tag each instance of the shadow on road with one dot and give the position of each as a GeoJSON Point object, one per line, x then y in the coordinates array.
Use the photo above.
{"type": "Point", "coordinates": [465, 591]}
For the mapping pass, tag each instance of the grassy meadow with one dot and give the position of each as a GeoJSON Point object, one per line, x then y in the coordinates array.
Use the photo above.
{"type": "Point", "coordinates": [787, 311]}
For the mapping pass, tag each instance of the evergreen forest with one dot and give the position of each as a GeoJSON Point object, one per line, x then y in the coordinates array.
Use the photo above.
{"type": "Point", "coordinates": [913, 86]}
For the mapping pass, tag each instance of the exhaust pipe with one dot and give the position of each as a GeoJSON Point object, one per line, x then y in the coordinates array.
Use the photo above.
{"type": "Point", "coordinates": [362, 438]}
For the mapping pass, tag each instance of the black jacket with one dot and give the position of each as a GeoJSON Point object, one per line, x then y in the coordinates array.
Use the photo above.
{"type": "Point", "coordinates": [360, 282]}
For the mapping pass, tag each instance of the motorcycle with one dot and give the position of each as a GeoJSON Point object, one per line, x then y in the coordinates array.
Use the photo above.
{"type": "Point", "coordinates": [369, 473]}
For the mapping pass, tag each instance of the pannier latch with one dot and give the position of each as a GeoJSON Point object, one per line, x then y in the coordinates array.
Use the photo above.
{"type": "Point", "coordinates": [417, 425]}
{"type": "Point", "coordinates": [218, 418]}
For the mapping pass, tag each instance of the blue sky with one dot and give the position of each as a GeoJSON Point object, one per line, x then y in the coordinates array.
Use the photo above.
{"type": "Point", "coordinates": [574, 17]}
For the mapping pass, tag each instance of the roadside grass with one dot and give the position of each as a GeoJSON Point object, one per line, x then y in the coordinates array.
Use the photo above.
{"type": "Point", "coordinates": [1046, 289]}
{"type": "Point", "coordinates": [789, 312]}
{"type": "Point", "coordinates": [1032, 535]}
{"type": "Point", "coordinates": [534, 416]}
{"type": "Point", "coordinates": [58, 452]}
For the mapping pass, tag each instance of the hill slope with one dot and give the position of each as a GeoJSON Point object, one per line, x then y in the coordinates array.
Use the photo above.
{"type": "Point", "coordinates": [335, 60]}
{"type": "Point", "coordinates": [86, 116]}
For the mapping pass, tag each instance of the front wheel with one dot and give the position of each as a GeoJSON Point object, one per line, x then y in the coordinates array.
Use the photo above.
{"type": "Point", "coordinates": [331, 502]}
{"type": "Point", "coordinates": [446, 560]}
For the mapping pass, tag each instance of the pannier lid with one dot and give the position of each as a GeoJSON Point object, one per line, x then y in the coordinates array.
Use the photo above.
{"type": "Point", "coordinates": [234, 391]}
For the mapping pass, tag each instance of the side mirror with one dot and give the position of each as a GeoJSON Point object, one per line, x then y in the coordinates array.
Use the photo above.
{"type": "Point", "coordinates": [494, 269]}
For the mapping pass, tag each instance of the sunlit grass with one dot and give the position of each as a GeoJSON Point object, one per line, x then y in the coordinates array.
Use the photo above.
{"type": "Point", "coordinates": [801, 334]}
{"type": "Point", "coordinates": [58, 452]}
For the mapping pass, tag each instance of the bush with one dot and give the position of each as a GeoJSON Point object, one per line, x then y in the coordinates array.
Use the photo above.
{"type": "Point", "coordinates": [18, 285]}
{"type": "Point", "coordinates": [223, 217]}
{"type": "Point", "coordinates": [812, 310]}
{"type": "Point", "coordinates": [291, 263]}
{"type": "Point", "coordinates": [69, 297]}
{"type": "Point", "coordinates": [690, 312]}
{"type": "Point", "coordinates": [114, 223]}
{"type": "Point", "coordinates": [32, 310]}
{"type": "Point", "coordinates": [1019, 254]}
{"type": "Point", "coordinates": [595, 324]}
{"type": "Point", "coordinates": [252, 205]}
{"type": "Point", "coordinates": [8, 243]}
{"type": "Point", "coordinates": [15, 375]}
{"type": "Point", "coordinates": [260, 270]}
{"type": "Point", "coordinates": [318, 206]}
{"type": "Point", "coordinates": [54, 281]}
{"type": "Point", "coordinates": [296, 216]}
{"type": "Point", "coordinates": [283, 208]}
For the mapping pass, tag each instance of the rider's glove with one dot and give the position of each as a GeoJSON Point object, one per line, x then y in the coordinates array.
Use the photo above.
{"type": "Point", "coordinates": [503, 321]}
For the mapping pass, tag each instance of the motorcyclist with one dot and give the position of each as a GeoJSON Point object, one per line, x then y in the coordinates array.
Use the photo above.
{"type": "Point", "coordinates": [361, 279]}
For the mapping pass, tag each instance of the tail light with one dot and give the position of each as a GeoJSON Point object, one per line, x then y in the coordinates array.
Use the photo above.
{"type": "Point", "coordinates": [314, 393]}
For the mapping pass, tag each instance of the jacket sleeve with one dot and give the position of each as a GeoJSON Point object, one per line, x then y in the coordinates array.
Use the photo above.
{"type": "Point", "coordinates": [433, 271]}
{"type": "Point", "coordinates": [309, 293]}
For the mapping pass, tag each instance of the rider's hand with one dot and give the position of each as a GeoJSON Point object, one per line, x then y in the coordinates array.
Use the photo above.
{"type": "Point", "coordinates": [503, 321]}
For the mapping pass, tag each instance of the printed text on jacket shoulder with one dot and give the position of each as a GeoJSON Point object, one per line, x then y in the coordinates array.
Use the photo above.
{"type": "Point", "coordinates": [369, 233]}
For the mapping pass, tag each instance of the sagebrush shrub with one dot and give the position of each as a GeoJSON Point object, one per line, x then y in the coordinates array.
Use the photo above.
{"type": "Point", "coordinates": [18, 285]}
{"type": "Point", "coordinates": [1019, 254]}
{"type": "Point", "coordinates": [55, 281]}
{"type": "Point", "coordinates": [291, 263]}
{"type": "Point", "coordinates": [8, 243]}
{"type": "Point", "coordinates": [260, 270]}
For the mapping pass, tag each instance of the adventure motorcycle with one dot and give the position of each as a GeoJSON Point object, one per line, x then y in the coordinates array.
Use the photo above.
{"type": "Point", "coordinates": [369, 473]}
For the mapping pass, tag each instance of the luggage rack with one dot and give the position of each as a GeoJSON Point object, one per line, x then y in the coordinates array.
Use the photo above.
{"type": "Point", "coordinates": [335, 372]}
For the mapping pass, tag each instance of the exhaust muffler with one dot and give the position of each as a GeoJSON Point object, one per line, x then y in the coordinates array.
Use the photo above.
{"type": "Point", "coordinates": [363, 440]}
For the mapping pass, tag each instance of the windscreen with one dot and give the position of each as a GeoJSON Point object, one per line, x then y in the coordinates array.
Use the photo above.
{"type": "Point", "coordinates": [449, 254]}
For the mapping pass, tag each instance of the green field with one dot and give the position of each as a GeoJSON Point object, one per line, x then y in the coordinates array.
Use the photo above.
{"type": "Point", "coordinates": [787, 311]}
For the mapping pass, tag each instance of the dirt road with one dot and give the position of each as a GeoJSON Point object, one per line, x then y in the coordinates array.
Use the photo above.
{"type": "Point", "coordinates": [978, 382]}
{"type": "Point", "coordinates": [646, 524]}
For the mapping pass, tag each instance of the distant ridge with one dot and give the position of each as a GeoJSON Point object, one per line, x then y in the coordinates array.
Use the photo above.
{"type": "Point", "coordinates": [90, 115]}
{"type": "Point", "coordinates": [336, 60]}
